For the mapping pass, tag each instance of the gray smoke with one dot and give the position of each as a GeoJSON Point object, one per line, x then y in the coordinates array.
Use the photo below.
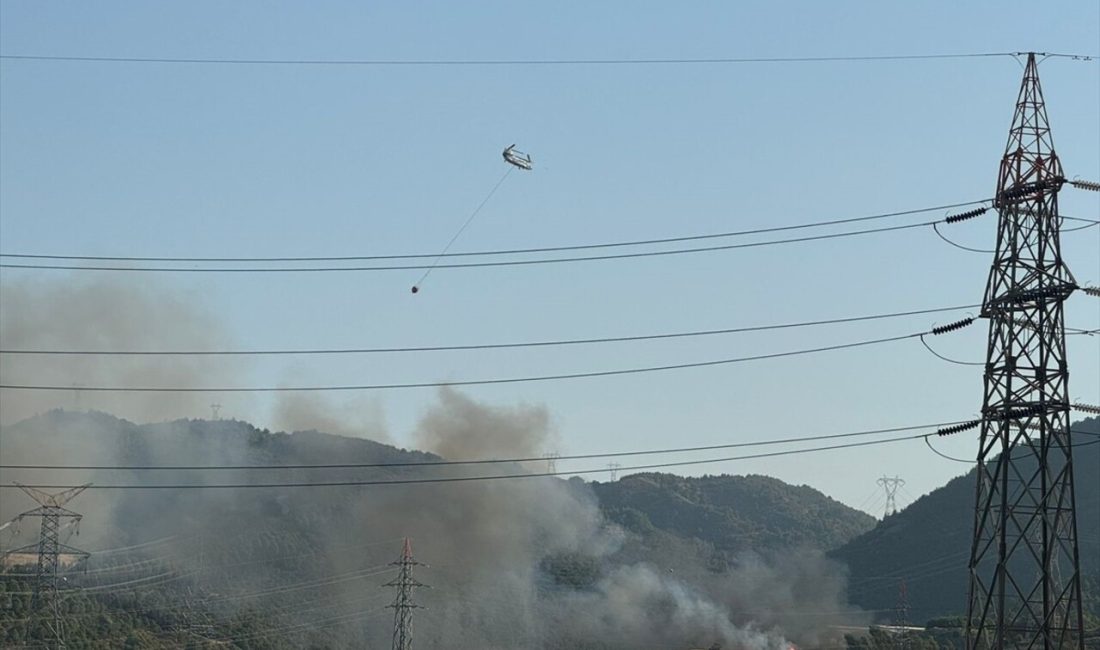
{"type": "Point", "coordinates": [459, 428]}
{"type": "Point", "coordinates": [105, 314]}
{"type": "Point", "coordinates": [491, 544]}
{"type": "Point", "coordinates": [487, 542]}
{"type": "Point", "coordinates": [360, 417]}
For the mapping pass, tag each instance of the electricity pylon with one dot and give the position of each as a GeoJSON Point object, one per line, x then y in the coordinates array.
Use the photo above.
{"type": "Point", "coordinates": [51, 509]}
{"type": "Point", "coordinates": [1025, 585]}
{"type": "Point", "coordinates": [891, 485]}
{"type": "Point", "coordinates": [901, 617]}
{"type": "Point", "coordinates": [403, 604]}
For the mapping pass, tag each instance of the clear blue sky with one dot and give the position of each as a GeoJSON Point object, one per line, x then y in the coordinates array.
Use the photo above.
{"type": "Point", "coordinates": [124, 159]}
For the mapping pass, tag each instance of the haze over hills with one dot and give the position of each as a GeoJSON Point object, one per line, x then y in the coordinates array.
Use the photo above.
{"type": "Point", "coordinates": [538, 563]}
{"type": "Point", "coordinates": [664, 561]}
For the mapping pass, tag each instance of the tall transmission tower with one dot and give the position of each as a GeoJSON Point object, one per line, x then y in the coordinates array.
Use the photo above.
{"type": "Point", "coordinates": [51, 509]}
{"type": "Point", "coordinates": [403, 604]}
{"type": "Point", "coordinates": [901, 607]}
{"type": "Point", "coordinates": [901, 617]}
{"type": "Point", "coordinates": [890, 486]}
{"type": "Point", "coordinates": [1025, 581]}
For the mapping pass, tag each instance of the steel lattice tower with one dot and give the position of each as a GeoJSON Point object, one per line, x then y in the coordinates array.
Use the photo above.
{"type": "Point", "coordinates": [403, 604]}
{"type": "Point", "coordinates": [49, 550]}
{"type": "Point", "coordinates": [891, 485]}
{"type": "Point", "coordinates": [1025, 588]}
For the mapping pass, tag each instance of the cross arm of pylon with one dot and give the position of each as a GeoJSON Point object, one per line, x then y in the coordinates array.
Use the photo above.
{"type": "Point", "coordinates": [1056, 291]}
{"type": "Point", "coordinates": [53, 500]}
{"type": "Point", "coordinates": [65, 549]}
{"type": "Point", "coordinates": [49, 511]}
{"type": "Point", "coordinates": [1011, 414]}
{"type": "Point", "coordinates": [32, 547]}
{"type": "Point", "coordinates": [1020, 192]}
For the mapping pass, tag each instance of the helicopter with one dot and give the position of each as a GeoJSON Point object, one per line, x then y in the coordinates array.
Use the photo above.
{"type": "Point", "coordinates": [517, 158]}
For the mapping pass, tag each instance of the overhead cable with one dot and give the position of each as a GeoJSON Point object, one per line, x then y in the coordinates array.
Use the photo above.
{"type": "Point", "coordinates": [465, 265]}
{"type": "Point", "coordinates": [513, 251]}
{"type": "Point", "coordinates": [489, 477]}
{"type": "Point", "coordinates": [486, 461]}
{"type": "Point", "coordinates": [471, 382]}
{"type": "Point", "coordinates": [468, 265]}
{"type": "Point", "coordinates": [483, 346]}
{"type": "Point", "coordinates": [524, 62]}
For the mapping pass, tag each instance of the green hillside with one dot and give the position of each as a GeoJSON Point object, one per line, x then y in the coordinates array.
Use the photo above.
{"type": "Point", "coordinates": [732, 513]}
{"type": "Point", "coordinates": [928, 544]}
{"type": "Point", "coordinates": [264, 565]}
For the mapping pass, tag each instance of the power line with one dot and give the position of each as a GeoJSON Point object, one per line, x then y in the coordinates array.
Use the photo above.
{"type": "Point", "coordinates": [469, 265]}
{"type": "Point", "coordinates": [928, 441]}
{"type": "Point", "coordinates": [948, 359]}
{"type": "Point", "coordinates": [471, 382]}
{"type": "Point", "coordinates": [529, 459]}
{"type": "Point", "coordinates": [489, 477]}
{"type": "Point", "coordinates": [486, 346]}
{"type": "Point", "coordinates": [466, 265]}
{"type": "Point", "coordinates": [514, 251]}
{"type": "Point", "coordinates": [527, 62]}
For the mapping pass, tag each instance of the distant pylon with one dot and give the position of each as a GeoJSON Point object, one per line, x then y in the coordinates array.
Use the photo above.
{"type": "Point", "coordinates": [1025, 580]}
{"type": "Point", "coordinates": [901, 608]}
{"type": "Point", "coordinates": [891, 485]}
{"type": "Point", "coordinates": [403, 604]}
{"type": "Point", "coordinates": [49, 549]}
{"type": "Point", "coordinates": [215, 409]}
{"type": "Point", "coordinates": [551, 462]}
{"type": "Point", "coordinates": [613, 471]}
{"type": "Point", "coordinates": [901, 616]}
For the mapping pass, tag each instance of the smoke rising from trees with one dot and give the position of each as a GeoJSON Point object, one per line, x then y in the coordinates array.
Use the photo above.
{"type": "Point", "coordinates": [527, 563]}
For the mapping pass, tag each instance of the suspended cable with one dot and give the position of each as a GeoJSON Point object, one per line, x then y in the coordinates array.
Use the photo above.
{"type": "Point", "coordinates": [928, 441]}
{"type": "Point", "coordinates": [529, 459]}
{"type": "Point", "coordinates": [472, 382]}
{"type": "Point", "coordinates": [936, 228]}
{"type": "Point", "coordinates": [465, 265]}
{"type": "Point", "coordinates": [1086, 226]}
{"type": "Point", "coordinates": [939, 453]}
{"type": "Point", "coordinates": [514, 251]}
{"type": "Point", "coordinates": [489, 477]}
{"type": "Point", "coordinates": [523, 62]}
{"type": "Point", "coordinates": [948, 359]}
{"type": "Point", "coordinates": [416, 285]}
{"type": "Point", "coordinates": [487, 346]}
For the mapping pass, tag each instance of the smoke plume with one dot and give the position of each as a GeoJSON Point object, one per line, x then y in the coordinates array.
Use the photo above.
{"type": "Point", "coordinates": [102, 314]}
{"type": "Point", "coordinates": [518, 563]}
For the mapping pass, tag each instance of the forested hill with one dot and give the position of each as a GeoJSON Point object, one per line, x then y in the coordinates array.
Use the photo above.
{"type": "Point", "coordinates": [928, 543]}
{"type": "Point", "coordinates": [302, 567]}
{"type": "Point", "coordinates": [732, 513]}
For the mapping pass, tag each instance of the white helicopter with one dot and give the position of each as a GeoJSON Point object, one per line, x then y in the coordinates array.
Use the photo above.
{"type": "Point", "coordinates": [517, 158]}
